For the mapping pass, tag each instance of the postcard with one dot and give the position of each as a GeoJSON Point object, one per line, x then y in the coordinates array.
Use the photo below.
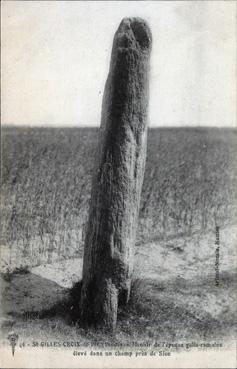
{"type": "Point", "coordinates": [118, 186]}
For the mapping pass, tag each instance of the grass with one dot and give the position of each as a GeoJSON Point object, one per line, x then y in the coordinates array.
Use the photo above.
{"type": "Point", "coordinates": [189, 186]}
{"type": "Point", "coordinates": [173, 297]}
{"type": "Point", "coordinates": [156, 312]}
{"type": "Point", "coordinates": [8, 273]}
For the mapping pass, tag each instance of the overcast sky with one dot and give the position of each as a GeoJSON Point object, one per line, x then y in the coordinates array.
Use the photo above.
{"type": "Point", "coordinates": [55, 60]}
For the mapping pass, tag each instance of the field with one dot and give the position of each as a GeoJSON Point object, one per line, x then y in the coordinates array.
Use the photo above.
{"type": "Point", "coordinates": [189, 189]}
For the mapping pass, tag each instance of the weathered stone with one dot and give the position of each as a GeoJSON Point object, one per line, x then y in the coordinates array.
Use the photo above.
{"type": "Point", "coordinates": [117, 183]}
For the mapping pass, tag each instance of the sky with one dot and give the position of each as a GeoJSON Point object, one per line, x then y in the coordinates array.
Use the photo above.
{"type": "Point", "coordinates": [56, 54]}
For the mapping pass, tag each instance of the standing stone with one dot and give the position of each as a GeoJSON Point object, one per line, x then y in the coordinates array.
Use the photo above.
{"type": "Point", "coordinates": [118, 178]}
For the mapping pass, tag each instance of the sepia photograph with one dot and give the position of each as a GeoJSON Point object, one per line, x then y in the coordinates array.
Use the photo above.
{"type": "Point", "coordinates": [118, 184]}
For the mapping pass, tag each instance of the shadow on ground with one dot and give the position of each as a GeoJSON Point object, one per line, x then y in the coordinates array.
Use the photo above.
{"type": "Point", "coordinates": [176, 309]}
{"type": "Point", "coordinates": [27, 295]}
{"type": "Point", "coordinates": [183, 308]}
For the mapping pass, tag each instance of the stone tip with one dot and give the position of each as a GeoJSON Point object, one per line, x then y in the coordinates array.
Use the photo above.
{"type": "Point", "coordinates": [134, 31]}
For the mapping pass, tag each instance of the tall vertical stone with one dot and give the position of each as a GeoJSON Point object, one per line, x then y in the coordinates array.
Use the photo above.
{"type": "Point", "coordinates": [118, 177]}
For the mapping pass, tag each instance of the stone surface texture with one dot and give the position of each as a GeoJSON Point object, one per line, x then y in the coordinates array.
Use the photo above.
{"type": "Point", "coordinates": [118, 177]}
